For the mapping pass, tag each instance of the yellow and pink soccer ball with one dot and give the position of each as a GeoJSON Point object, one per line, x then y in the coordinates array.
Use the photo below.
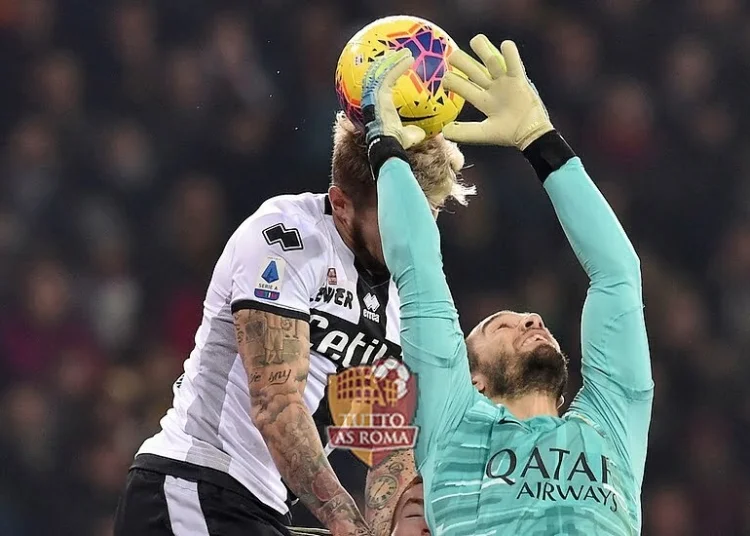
{"type": "Point", "coordinates": [419, 94]}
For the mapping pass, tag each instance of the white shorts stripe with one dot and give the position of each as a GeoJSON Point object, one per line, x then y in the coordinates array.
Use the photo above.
{"type": "Point", "coordinates": [184, 507]}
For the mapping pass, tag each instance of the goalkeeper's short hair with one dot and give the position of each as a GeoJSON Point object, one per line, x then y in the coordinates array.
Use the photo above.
{"type": "Point", "coordinates": [436, 164]}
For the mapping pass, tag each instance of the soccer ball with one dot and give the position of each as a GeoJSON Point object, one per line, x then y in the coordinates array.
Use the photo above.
{"type": "Point", "coordinates": [419, 95]}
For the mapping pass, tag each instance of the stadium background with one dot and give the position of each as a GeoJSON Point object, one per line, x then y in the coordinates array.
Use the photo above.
{"type": "Point", "coordinates": [137, 135]}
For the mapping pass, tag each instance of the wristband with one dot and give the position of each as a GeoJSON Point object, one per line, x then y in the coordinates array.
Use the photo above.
{"type": "Point", "coordinates": [380, 147]}
{"type": "Point", "coordinates": [548, 154]}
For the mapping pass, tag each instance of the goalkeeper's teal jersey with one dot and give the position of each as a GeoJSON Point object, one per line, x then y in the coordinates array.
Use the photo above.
{"type": "Point", "coordinates": [486, 472]}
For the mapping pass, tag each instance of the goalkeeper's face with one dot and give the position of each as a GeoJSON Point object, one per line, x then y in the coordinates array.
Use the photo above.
{"type": "Point", "coordinates": [514, 354]}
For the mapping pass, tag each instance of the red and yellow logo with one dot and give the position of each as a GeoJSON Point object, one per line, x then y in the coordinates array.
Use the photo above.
{"type": "Point", "coordinates": [372, 407]}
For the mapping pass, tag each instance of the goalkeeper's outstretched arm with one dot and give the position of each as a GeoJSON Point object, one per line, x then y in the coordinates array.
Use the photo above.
{"type": "Point", "coordinates": [617, 387]}
{"type": "Point", "coordinates": [617, 384]}
{"type": "Point", "coordinates": [431, 337]}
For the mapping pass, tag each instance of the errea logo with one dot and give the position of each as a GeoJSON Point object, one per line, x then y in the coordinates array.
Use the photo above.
{"type": "Point", "coordinates": [371, 307]}
{"type": "Point", "coordinates": [371, 302]}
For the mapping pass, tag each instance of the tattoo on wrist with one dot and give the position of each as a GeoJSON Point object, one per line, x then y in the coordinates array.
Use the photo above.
{"type": "Point", "coordinates": [381, 491]}
{"type": "Point", "coordinates": [386, 482]}
{"type": "Point", "coordinates": [396, 468]}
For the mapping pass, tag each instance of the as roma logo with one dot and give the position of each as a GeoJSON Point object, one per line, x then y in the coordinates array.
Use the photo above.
{"type": "Point", "coordinates": [372, 407]}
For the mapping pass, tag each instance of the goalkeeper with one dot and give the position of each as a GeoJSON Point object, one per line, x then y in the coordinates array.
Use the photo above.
{"type": "Point", "coordinates": [498, 459]}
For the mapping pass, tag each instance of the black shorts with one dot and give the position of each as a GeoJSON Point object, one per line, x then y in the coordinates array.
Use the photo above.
{"type": "Point", "coordinates": [165, 497]}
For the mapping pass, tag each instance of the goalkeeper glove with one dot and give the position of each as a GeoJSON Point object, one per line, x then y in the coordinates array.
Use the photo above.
{"type": "Point", "coordinates": [500, 89]}
{"type": "Point", "coordinates": [386, 136]}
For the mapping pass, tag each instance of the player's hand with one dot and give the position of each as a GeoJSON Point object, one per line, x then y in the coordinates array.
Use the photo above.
{"type": "Point", "coordinates": [380, 115]}
{"type": "Point", "coordinates": [516, 116]}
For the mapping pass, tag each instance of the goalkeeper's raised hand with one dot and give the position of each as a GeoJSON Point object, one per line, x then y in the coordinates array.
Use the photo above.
{"type": "Point", "coordinates": [500, 89]}
{"type": "Point", "coordinates": [386, 136]}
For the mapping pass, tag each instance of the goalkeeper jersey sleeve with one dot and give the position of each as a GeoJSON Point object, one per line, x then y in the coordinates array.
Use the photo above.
{"type": "Point", "coordinates": [617, 387]}
{"type": "Point", "coordinates": [431, 337]}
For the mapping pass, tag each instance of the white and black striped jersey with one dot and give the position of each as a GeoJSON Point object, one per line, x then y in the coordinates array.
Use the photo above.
{"type": "Point", "coordinates": [287, 258]}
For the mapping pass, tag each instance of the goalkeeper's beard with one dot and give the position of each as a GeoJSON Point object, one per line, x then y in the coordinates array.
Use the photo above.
{"type": "Point", "coordinates": [542, 370]}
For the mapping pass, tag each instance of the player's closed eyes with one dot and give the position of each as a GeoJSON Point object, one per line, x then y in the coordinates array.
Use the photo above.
{"type": "Point", "coordinates": [413, 511]}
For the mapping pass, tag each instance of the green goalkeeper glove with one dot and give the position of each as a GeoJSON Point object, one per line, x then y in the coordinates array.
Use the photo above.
{"type": "Point", "coordinates": [386, 136]}
{"type": "Point", "coordinates": [516, 116]}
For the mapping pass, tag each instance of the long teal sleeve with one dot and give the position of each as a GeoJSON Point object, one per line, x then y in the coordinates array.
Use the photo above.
{"type": "Point", "coordinates": [431, 337]}
{"type": "Point", "coordinates": [617, 384]}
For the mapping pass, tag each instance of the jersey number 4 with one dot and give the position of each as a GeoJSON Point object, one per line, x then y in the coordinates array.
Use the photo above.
{"type": "Point", "coordinates": [288, 239]}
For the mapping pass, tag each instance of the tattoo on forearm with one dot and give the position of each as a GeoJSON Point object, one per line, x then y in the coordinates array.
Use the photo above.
{"type": "Point", "coordinates": [294, 445]}
{"type": "Point", "coordinates": [386, 482]}
{"type": "Point", "coordinates": [381, 527]}
{"type": "Point", "coordinates": [266, 339]}
{"type": "Point", "coordinates": [239, 333]}
{"type": "Point", "coordinates": [279, 377]}
{"type": "Point", "coordinates": [269, 339]}
{"type": "Point", "coordinates": [255, 328]}
{"type": "Point", "coordinates": [382, 490]}
{"type": "Point", "coordinates": [396, 468]}
{"type": "Point", "coordinates": [275, 351]}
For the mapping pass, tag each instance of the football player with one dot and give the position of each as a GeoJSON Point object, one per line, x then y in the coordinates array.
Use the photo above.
{"type": "Point", "coordinates": [495, 455]}
{"type": "Point", "coordinates": [300, 291]}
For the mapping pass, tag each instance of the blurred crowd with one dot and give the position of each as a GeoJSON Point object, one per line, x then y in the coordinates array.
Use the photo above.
{"type": "Point", "coordinates": [138, 134]}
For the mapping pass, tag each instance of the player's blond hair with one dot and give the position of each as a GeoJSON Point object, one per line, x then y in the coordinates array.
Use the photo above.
{"type": "Point", "coordinates": [436, 164]}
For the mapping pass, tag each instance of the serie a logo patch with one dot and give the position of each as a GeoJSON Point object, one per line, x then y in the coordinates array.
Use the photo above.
{"type": "Point", "coordinates": [270, 279]}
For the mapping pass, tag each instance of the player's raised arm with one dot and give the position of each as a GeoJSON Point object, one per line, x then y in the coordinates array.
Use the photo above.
{"type": "Point", "coordinates": [431, 337]}
{"type": "Point", "coordinates": [270, 296]}
{"type": "Point", "coordinates": [616, 365]}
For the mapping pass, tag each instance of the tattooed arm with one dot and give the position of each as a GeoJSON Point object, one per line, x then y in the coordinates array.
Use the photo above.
{"type": "Point", "coordinates": [275, 352]}
{"type": "Point", "coordinates": [386, 482]}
